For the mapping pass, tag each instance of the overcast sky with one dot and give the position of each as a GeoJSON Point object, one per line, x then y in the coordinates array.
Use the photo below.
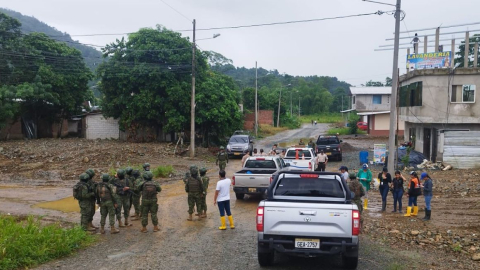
{"type": "Point", "coordinates": [342, 48]}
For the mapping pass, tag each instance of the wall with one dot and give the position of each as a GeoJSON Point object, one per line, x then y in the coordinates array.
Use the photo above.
{"type": "Point", "coordinates": [12, 131]}
{"type": "Point", "coordinates": [364, 103]}
{"type": "Point", "coordinates": [99, 127]}
{"type": "Point", "coordinates": [265, 117]}
{"type": "Point", "coordinates": [380, 125]}
{"type": "Point", "coordinates": [462, 149]}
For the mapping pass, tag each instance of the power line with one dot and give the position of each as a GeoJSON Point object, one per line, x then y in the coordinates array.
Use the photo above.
{"type": "Point", "coordinates": [188, 19]}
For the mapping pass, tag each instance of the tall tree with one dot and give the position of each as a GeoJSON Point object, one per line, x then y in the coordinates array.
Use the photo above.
{"type": "Point", "coordinates": [373, 84]}
{"type": "Point", "coordinates": [460, 59]}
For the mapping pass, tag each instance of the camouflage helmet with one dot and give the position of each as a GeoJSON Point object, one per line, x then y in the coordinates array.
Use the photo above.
{"type": "Point", "coordinates": [84, 177]}
{"type": "Point", "coordinates": [90, 172]}
{"type": "Point", "coordinates": [105, 177]}
{"type": "Point", "coordinates": [136, 173]}
{"type": "Point", "coordinates": [145, 165]}
{"type": "Point", "coordinates": [193, 170]}
{"type": "Point", "coordinates": [121, 173]}
{"type": "Point", "coordinates": [352, 176]}
{"type": "Point", "coordinates": [147, 175]}
{"type": "Point", "coordinates": [222, 148]}
{"type": "Point", "coordinates": [203, 170]}
{"type": "Point", "coordinates": [128, 170]}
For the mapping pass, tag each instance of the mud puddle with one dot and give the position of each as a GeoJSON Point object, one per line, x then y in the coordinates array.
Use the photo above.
{"type": "Point", "coordinates": [65, 205]}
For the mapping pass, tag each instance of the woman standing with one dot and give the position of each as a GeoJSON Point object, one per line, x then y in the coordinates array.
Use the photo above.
{"type": "Point", "coordinates": [397, 186]}
{"type": "Point", "coordinates": [365, 177]}
{"type": "Point", "coordinates": [385, 180]}
{"type": "Point", "coordinates": [427, 192]}
{"type": "Point", "coordinates": [413, 192]}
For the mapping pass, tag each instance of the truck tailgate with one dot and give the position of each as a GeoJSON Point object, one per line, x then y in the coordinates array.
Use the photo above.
{"type": "Point", "coordinates": [252, 180]}
{"type": "Point", "coordinates": [307, 219]}
{"type": "Point", "coordinates": [298, 163]}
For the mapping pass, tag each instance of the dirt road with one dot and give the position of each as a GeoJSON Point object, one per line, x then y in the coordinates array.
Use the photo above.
{"type": "Point", "coordinates": [290, 137]}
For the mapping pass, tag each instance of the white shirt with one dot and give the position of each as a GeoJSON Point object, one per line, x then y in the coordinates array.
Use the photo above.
{"type": "Point", "coordinates": [223, 187]}
{"type": "Point", "coordinates": [345, 176]}
{"type": "Point", "coordinates": [322, 158]}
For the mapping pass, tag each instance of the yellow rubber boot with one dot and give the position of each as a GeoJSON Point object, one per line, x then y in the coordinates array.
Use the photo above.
{"type": "Point", "coordinates": [230, 220]}
{"type": "Point", "coordinates": [409, 212]}
{"type": "Point", "coordinates": [224, 224]}
{"type": "Point", "coordinates": [415, 211]}
{"type": "Point", "coordinates": [365, 204]}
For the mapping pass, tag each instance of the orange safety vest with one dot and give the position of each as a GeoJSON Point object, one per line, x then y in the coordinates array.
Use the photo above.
{"type": "Point", "coordinates": [415, 180]}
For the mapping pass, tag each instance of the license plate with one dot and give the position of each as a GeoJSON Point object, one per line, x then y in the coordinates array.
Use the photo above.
{"type": "Point", "coordinates": [252, 190]}
{"type": "Point", "coordinates": [236, 154]}
{"type": "Point", "coordinates": [307, 243]}
{"type": "Point", "coordinates": [328, 154]}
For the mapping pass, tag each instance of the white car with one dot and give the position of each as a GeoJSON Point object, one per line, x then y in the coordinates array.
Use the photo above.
{"type": "Point", "coordinates": [303, 159]}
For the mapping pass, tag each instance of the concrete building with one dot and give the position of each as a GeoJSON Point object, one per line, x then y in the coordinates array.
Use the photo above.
{"type": "Point", "coordinates": [437, 105]}
{"type": "Point", "coordinates": [373, 107]}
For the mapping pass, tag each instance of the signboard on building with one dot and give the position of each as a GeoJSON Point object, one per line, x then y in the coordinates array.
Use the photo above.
{"type": "Point", "coordinates": [379, 153]}
{"type": "Point", "coordinates": [429, 60]}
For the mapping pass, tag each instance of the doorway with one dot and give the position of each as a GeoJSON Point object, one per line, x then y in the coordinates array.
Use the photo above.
{"type": "Point", "coordinates": [426, 142]}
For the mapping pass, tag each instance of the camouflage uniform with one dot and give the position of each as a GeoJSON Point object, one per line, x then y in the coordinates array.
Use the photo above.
{"type": "Point", "coordinates": [84, 201]}
{"type": "Point", "coordinates": [149, 190]}
{"type": "Point", "coordinates": [222, 159]}
{"type": "Point", "coordinates": [108, 198]}
{"type": "Point", "coordinates": [194, 188]}
{"type": "Point", "coordinates": [357, 188]}
{"type": "Point", "coordinates": [187, 175]}
{"type": "Point", "coordinates": [135, 180]}
{"type": "Point", "coordinates": [123, 197]}
{"type": "Point", "coordinates": [205, 182]}
{"type": "Point", "coordinates": [92, 186]}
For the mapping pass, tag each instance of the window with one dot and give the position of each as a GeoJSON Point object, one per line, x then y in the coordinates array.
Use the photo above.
{"type": "Point", "coordinates": [377, 99]}
{"type": "Point", "coordinates": [309, 187]}
{"type": "Point", "coordinates": [353, 100]}
{"type": "Point", "coordinates": [411, 95]}
{"type": "Point", "coordinates": [263, 164]}
{"type": "Point", "coordinates": [463, 93]}
{"type": "Point", "coordinates": [293, 153]}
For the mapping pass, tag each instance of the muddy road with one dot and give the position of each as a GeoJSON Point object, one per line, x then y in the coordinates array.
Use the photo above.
{"type": "Point", "coordinates": [291, 137]}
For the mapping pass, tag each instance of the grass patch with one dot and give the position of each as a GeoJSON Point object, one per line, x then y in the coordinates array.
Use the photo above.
{"type": "Point", "coordinates": [395, 266]}
{"type": "Point", "coordinates": [27, 243]}
{"type": "Point", "coordinates": [343, 131]}
{"type": "Point", "coordinates": [267, 130]}
{"type": "Point", "coordinates": [163, 171]}
{"type": "Point", "coordinates": [322, 118]}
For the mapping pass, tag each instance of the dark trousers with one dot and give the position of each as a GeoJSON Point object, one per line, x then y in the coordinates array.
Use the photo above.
{"type": "Point", "coordinates": [412, 200]}
{"type": "Point", "coordinates": [384, 192]}
{"type": "Point", "coordinates": [321, 166]}
{"type": "Point", "coordinates": [224, 206]}
{"type": "Point", "coordinates": [397, 197]}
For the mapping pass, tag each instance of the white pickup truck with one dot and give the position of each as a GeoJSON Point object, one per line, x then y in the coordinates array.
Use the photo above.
{"type": "Point", "coordinates": [256, 175]}
{"type": "Point", "coordinates": [308, 214]}
{"type": "Point", "coordinates": [303, 159]}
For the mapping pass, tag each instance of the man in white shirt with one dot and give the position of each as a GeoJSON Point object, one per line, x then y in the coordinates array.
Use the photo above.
{"type": "Point", "coordinates": [344, 173]}
{"type": "Point", "coordinates": [322, 160]}
{"type": "Point", "coordinates": [222, 198]}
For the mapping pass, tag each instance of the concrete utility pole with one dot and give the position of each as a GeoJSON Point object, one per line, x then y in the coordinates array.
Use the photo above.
{"type": "Point", "coordinates": [256, 101]}
{"type": "Point", "coordinates": [278, 114]}
{"type": "Point", "coordinates": [192, 103]}
{"type": "Point", "coordinates": [467, 49]}
{"type": "Point", "coordinates": [393, 103]}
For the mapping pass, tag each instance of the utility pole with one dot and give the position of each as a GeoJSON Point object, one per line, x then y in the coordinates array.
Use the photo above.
{"type": "Point", "coordinates": [278, 114]}
{"type": "Point", "coordinates": [393, 103]}
{"type": "Point", "coordinates": [291, 107]}
{"type": "Point", "coordinates": [192, 103]}
{"type": "Point", "coordinates": [256, 101]}
{"type": "Point", "coordinates": [298, 106]}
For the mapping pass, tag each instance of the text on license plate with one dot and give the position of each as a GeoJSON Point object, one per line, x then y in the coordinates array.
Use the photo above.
{"type": "Point", "coordinates": [236, 154]}
{"type": "Point", "coordinates": [252, 190]}
{"type": "Point", "coordinates": [307, 243]}
{"type": "Point", "coordinates": [328, 154]}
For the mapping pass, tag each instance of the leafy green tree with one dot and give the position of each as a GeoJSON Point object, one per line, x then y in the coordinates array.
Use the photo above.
{"type": "Point", "coordinates": [460, 59]}
{"type": "Point", "coordinates": [388, 81]}
{"type": "Point", "coordinates": [374, 84]}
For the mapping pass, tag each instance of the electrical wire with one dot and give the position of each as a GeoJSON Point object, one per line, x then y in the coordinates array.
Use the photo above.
{"type": "Point", "coordinates": [188, 19]}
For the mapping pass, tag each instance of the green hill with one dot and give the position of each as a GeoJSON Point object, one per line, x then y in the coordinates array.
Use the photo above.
{"type": "Point", "coordinates": [30, 24]}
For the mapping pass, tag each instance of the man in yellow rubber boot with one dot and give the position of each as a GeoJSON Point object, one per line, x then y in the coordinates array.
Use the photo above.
{"type": "Point", "coordinates": [222, 198]}
{"type": "Point", "coordinates": [365, 177]}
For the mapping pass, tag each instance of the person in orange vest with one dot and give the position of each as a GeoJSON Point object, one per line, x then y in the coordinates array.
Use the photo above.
{"type": "Point", "coordinates": [414, 191]}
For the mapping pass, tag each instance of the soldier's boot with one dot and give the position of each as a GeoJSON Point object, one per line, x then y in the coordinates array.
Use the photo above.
{"type": "Point", "coordinates": [120, 223]}
{"type": "Point", "coordinates": [127, 224]}
{"type": "Point", "coordinates": [113, 230]}
{"type": "Point", "coordinates": [156, 228]}
{"type": "Point", "coordinates": [189, 217]}
{"type": "Point", "coordinates": [224, 224]}
{"type": "Point", "coordinates": [90, 224]}
{"type": "Point", "coordinates": [205, 214]}
{"type": "Point", "coordinates": [415, 211]}
{"type": "Point", "coordinates": [102, 229]}
{"type": "Point", "coordinates": [409, 212]}
{"type": "Point", "coordinates": [144, 229]}
{"type": "Point", "coordinates": [230, 221]}
{"type": "Point", "coordinates": [90, 229]}
{"type": "Point", "coordinates": [135, 217]}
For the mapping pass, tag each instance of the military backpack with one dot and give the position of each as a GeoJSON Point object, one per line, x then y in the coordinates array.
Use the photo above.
{"type": "Point", "coordinates": [149, 191]}
{"type": "Point", "coordinates": [104, 192]}
{"type": "Point", "coordinates": [222, 156]}
{"type": "Point", "coordinates": [77, 190]}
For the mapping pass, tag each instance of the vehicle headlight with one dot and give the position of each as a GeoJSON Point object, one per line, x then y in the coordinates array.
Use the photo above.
{"type": "Point", "coordinates": [245, 147]}
{"type": "Point", "coordinates": [228, 147]}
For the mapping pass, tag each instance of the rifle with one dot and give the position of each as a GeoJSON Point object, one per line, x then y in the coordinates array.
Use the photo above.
{"type": "Point", "coordinates": [121, 192]}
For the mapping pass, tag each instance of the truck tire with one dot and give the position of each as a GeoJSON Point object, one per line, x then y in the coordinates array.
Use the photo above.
{"type": "Point", "coordinates": [266, 258]}
{"type": "Point", "coordinates": [239, 196]}
{"type": "Point", "coordinates": [350, 260]}
{"type": "Point", "coordinates": [340, 158]}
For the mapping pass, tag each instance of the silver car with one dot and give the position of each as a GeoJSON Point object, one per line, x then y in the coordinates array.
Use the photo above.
{"type": "Point", "coordinates": [238, 144]}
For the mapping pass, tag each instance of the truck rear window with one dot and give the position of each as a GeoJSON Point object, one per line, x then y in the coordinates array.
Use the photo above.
{"type": "Point", "coordinates": [309, 187]}
{"type": "Point", "coordinates": [327, 141]}
{"type": "Point", "coordinates": [262, 164]}
{"type": "Point", "coordinates": [292, 154]}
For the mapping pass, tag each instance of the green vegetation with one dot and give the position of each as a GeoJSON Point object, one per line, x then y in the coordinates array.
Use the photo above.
{"type": "Point", "coordinates": [26, 243]}
{"type": "Point", "coordinates": [163, 171]}
{"type": "Point", "coordinates": [322, 118]}
{"type": "Point", "coordinates": [395, 266]}
{"type": "Point", "coordinates": [268, 130]}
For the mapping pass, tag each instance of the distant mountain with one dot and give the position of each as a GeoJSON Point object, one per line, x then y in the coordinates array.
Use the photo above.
{"type": "Point", "coordinates": [91, 55]}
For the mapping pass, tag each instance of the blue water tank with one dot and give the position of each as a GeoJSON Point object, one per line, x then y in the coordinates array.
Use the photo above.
{"type": "Point", "coordinates": [363, 157]}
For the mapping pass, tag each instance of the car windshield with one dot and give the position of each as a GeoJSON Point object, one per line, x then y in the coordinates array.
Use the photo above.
{"type": "Point", "coordinates": [309, 187]}
{"type": "Point", "coordinates": [238, 139]}
{"type": "Point", "coordinates": [327, 141]}
{"type": "Point", "coordinates": [292, 153]}
{"type": "Point", "coordinates": [261, 164]}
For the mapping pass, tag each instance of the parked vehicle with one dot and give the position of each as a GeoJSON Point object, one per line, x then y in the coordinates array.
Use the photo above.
{"type": "Point", "coordinates": [301, 158]}
{"type": "Point", "coordinates": [330, 146]}
{"type": "Point", "coordinates": [238, 144]}
{"type": "Point", "coordinates": [308, 214]}
{"type": "Point", "coordinates": [362, 125]}
{"type": "Point", "coordinates": [256, 175]}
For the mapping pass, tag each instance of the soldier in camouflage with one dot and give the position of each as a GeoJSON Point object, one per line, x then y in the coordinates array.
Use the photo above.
{"type": "Point", "coordinates": [92, 186]}
{"type": "Point", "coordinates": [185, 178]}
{"type": "Point", "coordinates": [136, 180]}
{"type": "Point", "coordinates": [108, 199]}
{"type": "Point", "coordinates": [122, 186]}
{"type": "Point", "coordinates": [129, 177]}
{"type": "Point", "coordinates": [194, 188]}
{"type": "Point", "coordinates": [222, 159]}
{"type": "Point", "coordinates": [357, 189]}
{"type": "Point", "coordinates": [84, 201]}
{"type": "Point", "coordinates": [149, 190]}
{"type": "Point", "coordinates": [146, 167]}
{"type": "Point", "coordinates": [205, 182]}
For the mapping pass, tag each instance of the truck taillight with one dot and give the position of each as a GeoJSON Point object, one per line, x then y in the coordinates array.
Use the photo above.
{"type": "Point", "coordinates": [339, 149]}
{"type": "Point", "coordinates": [309, 166]}
{"type": "Point", "coordinates": [233, 180]}
{"type": "Point", "coordinates": [355, 222]}
{"type": "Point", "coordinates": [271, 179]}
{"type": "Point", "coordinates": [260, 219]}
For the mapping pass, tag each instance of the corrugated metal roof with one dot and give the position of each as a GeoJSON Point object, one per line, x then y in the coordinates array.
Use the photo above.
{"type": "Point", "coordinates": [371, 90]}
{"type": "Point", "coordinates": [462, 149]}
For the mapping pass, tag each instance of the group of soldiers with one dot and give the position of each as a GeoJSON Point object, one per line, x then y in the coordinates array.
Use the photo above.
{"type": "Point", "coordinates": [196, 185]}
{"type": "Point", "coordinates": [126, 189]}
